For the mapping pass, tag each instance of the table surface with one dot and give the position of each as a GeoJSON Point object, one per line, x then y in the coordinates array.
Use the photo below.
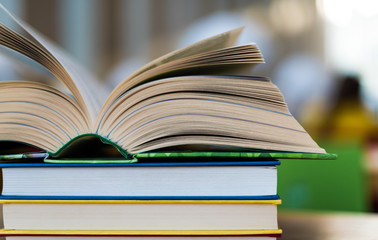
{"type": "Point", "coordinates": [327, 226]}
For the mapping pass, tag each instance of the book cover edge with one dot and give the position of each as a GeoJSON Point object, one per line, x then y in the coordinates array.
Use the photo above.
{"type": "Point", "coordinates": [263, 232]}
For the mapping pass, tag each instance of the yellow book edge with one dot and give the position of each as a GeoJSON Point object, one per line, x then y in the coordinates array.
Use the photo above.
{"type": "Point", "coordinates": [10, 232]}
{"type": "Point", "coordinates": [277, 202]}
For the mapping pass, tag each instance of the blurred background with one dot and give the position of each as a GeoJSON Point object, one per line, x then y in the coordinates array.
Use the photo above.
{"type": "Point", "coordinates": [322, 54]}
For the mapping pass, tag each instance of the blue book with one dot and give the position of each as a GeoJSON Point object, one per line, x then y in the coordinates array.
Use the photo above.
{"type": "Point", "coordinates": [252, 180]}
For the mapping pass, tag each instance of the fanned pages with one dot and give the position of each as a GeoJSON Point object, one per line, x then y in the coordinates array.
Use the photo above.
{"type": "Point", "coordinates": [81, 83]}
{"type": "Point", "coordinates": [181, 101]}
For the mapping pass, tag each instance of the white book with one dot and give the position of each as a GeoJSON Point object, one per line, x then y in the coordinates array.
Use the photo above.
{"type": "Point", "coordinates": [184, 98]}
{"type": "Point", "coordinates": [214, 180]}
{"type": "Point", "coordinates": [142, 215]}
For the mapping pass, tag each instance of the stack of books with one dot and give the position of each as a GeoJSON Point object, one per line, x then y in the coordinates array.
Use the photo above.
{"type": "Point", "coordinates": [204, 199]}
{"type": "Point", "coordinates": [199, 149]}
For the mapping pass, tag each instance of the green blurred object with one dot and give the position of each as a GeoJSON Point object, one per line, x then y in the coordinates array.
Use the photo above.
{"type": "Point", "coordinates": [339, 185]}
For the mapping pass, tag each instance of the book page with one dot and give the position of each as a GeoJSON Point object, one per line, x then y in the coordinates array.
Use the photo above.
{"type": "Point", "coordinates": [220, 41]}
{"type": "Point", "coordinates": [81, 83]}
{"type": "Point", "coordinates": [231, 111]}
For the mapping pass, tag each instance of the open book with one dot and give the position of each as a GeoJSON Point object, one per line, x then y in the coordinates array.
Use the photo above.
{"type": "Point", "coordinates": [182, 100]}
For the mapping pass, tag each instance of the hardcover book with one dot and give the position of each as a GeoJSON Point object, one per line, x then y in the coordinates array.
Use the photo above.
{"type": "Point", "coordinates": [191, 180]}
{"type": "Point", "coordinates": [122, 235]}
{"type": "Point", "coordinates": [189, 99]}
{"type": "Point", "coordinates": [138, 217]}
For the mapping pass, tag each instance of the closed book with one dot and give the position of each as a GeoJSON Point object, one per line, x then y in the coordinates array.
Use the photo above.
{"type": "Point", "coordinates": [140, 217]}
{"type": "Point", "coordinates": [170, 180]}
{"type": "Point", "coordinates": [127, 235]}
